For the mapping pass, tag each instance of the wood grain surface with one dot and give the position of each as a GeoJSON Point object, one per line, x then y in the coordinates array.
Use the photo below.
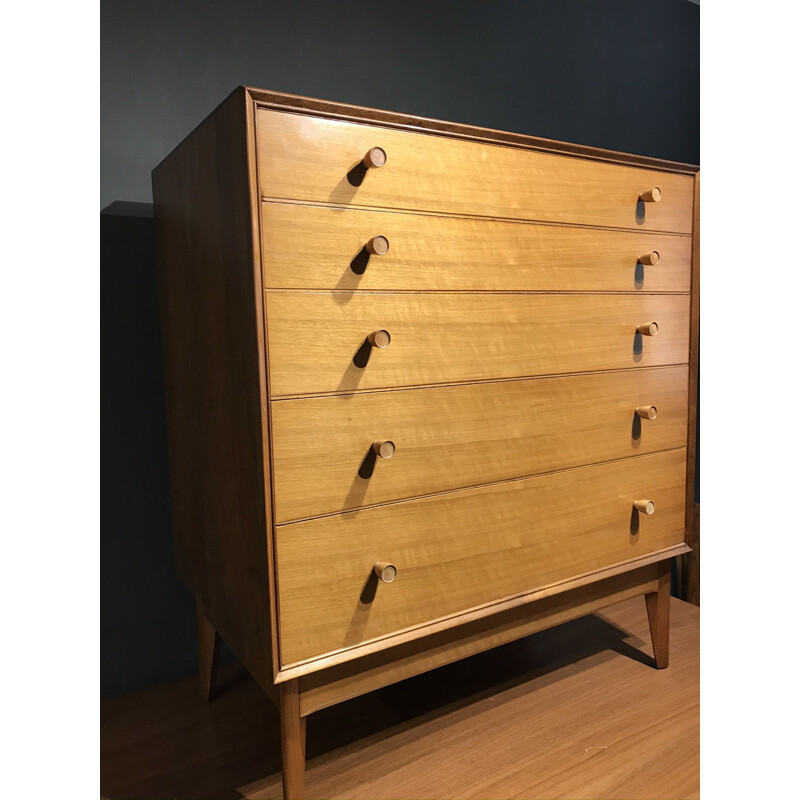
{"type": "Point", "coordinates": [466, 548]}
{"type": "Point", "coordinates": [658, 605]}
{"type": "Point", "coordinates": [464, 435]}
{"type": "Point", "coordinates": [299, 104]}
{"type": "Point", "coordinates": [576, 711]}
{"type": "Point", "coordinates": [694, 370]}
{"type": "Point", "coordinates": [316, 340]}
{"type": "Point", "coordinates": [318, 247]}
{"type": "Point", "coordinates": [293, 742]}
{"type": "Point", "coordinates": [481, 263]}
{"type": "Point", "coordinates": [687, 566]}
{"type": "Point", "coordinates": [316, 159]}
{"type": "Point", "coordinates": [325, 688]}
{"type": "Point", "coordinates": [213, 349]}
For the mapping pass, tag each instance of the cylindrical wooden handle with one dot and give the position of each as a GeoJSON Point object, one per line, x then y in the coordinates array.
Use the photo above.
{"type": "Point", "coordinates": [378, 246]}
{"type": "Point", "coordinates": [645, 506]}
{"type": "Point", "coordinates": [648, 412]}
{"type": "Point", "coordinates": [385, 448]}
{"type": "Point", "coordinates": [648, 328]}
{"type": "Point", "coordinates": [375, 157]}
{"type": "Point", "coordinates": [651, 195]}
{"type": "Point", "coordinates": [385, 571]}
{"type": "Point", "coordinates": [379, 339]}
{"type": "Point", "coordinates": [650, 258]}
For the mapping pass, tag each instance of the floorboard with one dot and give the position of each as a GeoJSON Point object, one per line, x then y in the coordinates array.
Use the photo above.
{"type": "Point", "coordinates": [577, 711]}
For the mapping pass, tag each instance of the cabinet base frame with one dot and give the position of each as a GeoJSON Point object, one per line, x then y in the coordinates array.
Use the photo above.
{"type": "Point", "coordinates": [302, 696]}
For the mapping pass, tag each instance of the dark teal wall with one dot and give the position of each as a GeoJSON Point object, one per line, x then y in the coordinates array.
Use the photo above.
{"type": "Point", "coordinates": [621, 74]}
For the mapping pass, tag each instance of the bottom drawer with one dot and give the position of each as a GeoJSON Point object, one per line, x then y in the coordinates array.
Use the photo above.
{"type": "Point", "coordinates": [467, 548]}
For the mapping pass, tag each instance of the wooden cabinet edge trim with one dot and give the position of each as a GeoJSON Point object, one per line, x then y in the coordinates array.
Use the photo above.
{"type": "Point", "coordinates": [548, 223]}
{"type": "Point", "coordinates": [298, 104]}
{"type": "Point", "coordinates": [310, 395]}
{"type": "Point", "coordinates": [694, 364]}
{"type": "Point", "coordinates": [604, 292]}
{"type": "Point", "coordinates": [421, 212]}
{"type": "Point", "coordinates": [416, 387]}
{"type": "Point", "coordinates": [291, 671]}
{"type": "Point", "coordinates": [264, 383]}
{"type": "Point", "coordinates": [509, 292]}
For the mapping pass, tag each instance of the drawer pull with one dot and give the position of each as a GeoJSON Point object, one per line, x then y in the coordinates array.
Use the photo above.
{"type": "Point", "coordinates": [645, 506]}
{"type": "Point", "coordinates": [650, 196]}
{"type": "Point", "coordinates": [379, 339]}
{"type": "Point", "coordinates": [648, 328]}
{"type": "Point", "coordinates": [375, 157]}
{"type": "Point", "coordinates": [385, 571]}
{"type": "Point", "coordinates": [378, 246]}
{"type": "Point", "coordinates": [648, 412]}
{"type": "Point", "coordinates": [650, 258]}
{"type": "Point", "coordinates": [384, 449]}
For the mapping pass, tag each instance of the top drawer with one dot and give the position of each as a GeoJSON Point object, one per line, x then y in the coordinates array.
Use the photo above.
{"type": "Point", "coordinates": [311, 158]}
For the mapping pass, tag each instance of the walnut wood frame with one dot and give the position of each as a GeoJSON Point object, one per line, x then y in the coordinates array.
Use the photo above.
{"type": "Point", "coordinates": [208, 211]}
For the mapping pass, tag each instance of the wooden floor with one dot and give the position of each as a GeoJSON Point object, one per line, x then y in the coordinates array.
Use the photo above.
{"type": "Point", "coordinates": [574, 712]}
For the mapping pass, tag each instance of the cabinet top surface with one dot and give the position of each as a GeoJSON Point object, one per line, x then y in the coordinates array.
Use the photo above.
{"type": "Point", "coordinates": [309, 105]}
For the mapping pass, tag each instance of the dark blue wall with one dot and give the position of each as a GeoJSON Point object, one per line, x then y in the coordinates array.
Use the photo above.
{"type": "Point", "coordinates": [621, 74]}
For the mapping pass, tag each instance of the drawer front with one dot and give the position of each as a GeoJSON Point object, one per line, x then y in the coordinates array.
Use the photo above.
{"type": "Point", "coordinates": [318, 344]}
{"type": "Point", "coordinates": [457, 551]}
{"type": "Point", "coordinates": [317, 247]}
{"type": "Point", "coordinates": [310, 158]}
{"type": "Point", "coordinates": [464, 435]}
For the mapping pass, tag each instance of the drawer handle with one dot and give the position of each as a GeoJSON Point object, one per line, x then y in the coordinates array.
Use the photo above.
{"type": "Point", "coordinates": [385, 571]}
{"type": "Point", "coordinates": [650, 258]}
{"type": "Point", "coordinates": [378, 246]}
{"type": "Point", "coordinates": [645, 506]}
{"type": "Point", "coordinates": [375, 158]}
{"type": "Point", "coordinates": [385, 448]}
{"type": "Point", "coordinates": [648, 412]}
{"type": "Point", "coordinates": [648, 328]}
{"type": "Point", "coordinates": [379, 339]}
{"type": "Point", "coordinates": [650, 196]}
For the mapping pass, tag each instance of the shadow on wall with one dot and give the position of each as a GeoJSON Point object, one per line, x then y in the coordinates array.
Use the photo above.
{"type": "Point", "coordinates": [147, 613]}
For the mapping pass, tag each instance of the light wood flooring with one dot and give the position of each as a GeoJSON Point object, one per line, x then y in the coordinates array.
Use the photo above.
{"type": "Point", "coordinates": [573, 712]}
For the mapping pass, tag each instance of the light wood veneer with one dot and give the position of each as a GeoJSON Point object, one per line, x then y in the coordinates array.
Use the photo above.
{"type": "Point", "coordinates": [447, 337]}
{"type": "Point", "coordinates": [419, 377]}
{"type": "Point", "coordinates": [350, 679]}
{"type": "Point", "coordinates": [310, 158]}
{"type": "Point", "coordinates": [322, 247]}
{"type": "Point", "coordinates": [464, 435]}
{"type": "Point", "coordinates": [467, 548]}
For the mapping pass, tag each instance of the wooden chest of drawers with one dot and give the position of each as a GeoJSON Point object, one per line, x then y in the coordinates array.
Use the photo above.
{"type": "Point", "coordinates": [430, 388]}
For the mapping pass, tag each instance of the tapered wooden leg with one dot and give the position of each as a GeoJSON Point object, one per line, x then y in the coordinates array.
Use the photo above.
{"type": "Point", "coordinates": [293, 743]}
{"type": "Point", "coordinates": [208, 646]}
{"type": "Point", "coordinates": [658, 615]}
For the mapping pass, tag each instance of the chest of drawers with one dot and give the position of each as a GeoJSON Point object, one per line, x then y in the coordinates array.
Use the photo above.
{"type": "Point", "coordinates": [430, 388]}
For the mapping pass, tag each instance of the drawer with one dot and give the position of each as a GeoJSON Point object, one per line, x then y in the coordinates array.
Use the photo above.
{"type": "Point", "coordinates": [469, 548]}
{"type": "Point", "coordinates": [318, 247]}
{"type": "Point", "coordinates": [318, 340]}
{"type": "Point", "coordinates": [307, 158]}
{"type": "Point", "coordinates": [450, 437]}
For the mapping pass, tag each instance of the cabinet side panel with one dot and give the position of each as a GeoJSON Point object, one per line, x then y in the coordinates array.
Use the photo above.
{"type": "Point", "coordinates": [694, 367]}
{"type": "Point", "coordinates": [211, 323]}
